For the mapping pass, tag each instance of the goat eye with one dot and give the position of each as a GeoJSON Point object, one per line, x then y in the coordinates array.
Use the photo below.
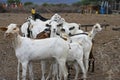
{"type": "Point", "coordinates": [63, 30]}
{"type": "Point", "coordinates": [96, 27]}
{"type": "Point", "coordinates": [47, 25]}
{"type": "Point", "coordinates": [71, 28]}
{"type": "Point", "coordinates": [59, 25]}
{"type": "Point", "coordinates": [14, 29]}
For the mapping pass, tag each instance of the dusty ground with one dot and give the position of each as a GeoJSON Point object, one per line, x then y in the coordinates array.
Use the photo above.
{"type": "Point", "coordinates": [106, 47]}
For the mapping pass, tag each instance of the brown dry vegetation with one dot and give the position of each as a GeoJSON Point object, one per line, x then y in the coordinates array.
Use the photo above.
{"type": "Point", "coordinates": [106, 48]}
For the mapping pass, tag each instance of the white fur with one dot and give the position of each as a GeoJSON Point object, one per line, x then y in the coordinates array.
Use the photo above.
{"type": "Point", "coordinates": [95, 29]}
{"type": "Point", "coordinates": [67, 26]}
{"type": "Point", "coordinates": [36, 27]}
{"type": "Point", "coordinates": [27, 49]}
{"type": "Point", "coordinates": [86, 41]}
{"type": "Point", "coordinates": [24, 28]}
{"type": "Point", "coordinates": [75, 52]}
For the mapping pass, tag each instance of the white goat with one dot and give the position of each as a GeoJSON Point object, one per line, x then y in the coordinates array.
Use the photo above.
{"type": "Point", "coordinates": [31, 28]}
{"type": "Point", "coordinates": [26, 30]}
{"type": "Point", "coordinates": [95, 29]}
{"type": "Point", "coordinates": [56, 17]}
{"type": "Point", "coordinates": [27, 49]}
{"type": "Point", "coordinates": [72, 27]}
{"type": "Point", "coordinates": [75, 51]}
{"type": "Point", "coordinates": [37, 26]}
{"type": "Point", "coordinates": [87, 45]}
{"type": "Point", "coordinates": [86, 40]}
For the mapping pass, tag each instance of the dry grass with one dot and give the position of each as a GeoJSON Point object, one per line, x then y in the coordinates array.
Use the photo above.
{"type": "Point", "coordinates": [106, 49]}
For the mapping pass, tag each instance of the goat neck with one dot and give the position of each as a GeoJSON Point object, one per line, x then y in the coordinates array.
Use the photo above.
{"type": "Point", "coordinates": [16, 41]}
{"type": "Point", "coordinates": [93, 32]}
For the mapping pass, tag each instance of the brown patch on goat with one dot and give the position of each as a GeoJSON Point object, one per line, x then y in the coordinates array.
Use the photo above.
{"type": "Point", "coordinates": [64, 38]}
{"type": "Point", "coordinates": [43, 35]}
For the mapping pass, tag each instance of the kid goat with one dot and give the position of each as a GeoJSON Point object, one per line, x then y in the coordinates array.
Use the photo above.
{"type": "Point", "coordinates": [27, 49]}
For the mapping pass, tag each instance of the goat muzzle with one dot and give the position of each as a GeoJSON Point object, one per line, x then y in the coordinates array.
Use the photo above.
{"type": "Point", "coordinates": [7, 35]}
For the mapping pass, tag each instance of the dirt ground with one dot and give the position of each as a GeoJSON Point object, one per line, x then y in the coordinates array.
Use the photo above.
{"type": "Point", "coordinates": [106, 47]}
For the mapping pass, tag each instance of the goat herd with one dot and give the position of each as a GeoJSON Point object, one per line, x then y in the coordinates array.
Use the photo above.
{"type": "Point", "coordinates": [52, 40]}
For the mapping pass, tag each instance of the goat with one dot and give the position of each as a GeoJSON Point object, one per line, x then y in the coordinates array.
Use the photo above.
{"type": "Point", "coordinates": [75, 48]}
{"type": "Point", "coordinates": [56, 17]}
{"type": "Point", "coordinates": [96, 28]}
{"type": "Point", "coordinates": [87, 45]}
{"type": "Point", "coordinates": [27, 49]}
{"type": "Point", "coordinates": [27, 32]}
{"type": "Point", "coordinates": [35, 27]}
{"type": "Point", "coordinates": [72, 27]}
{"type": "Point", "coordinates": [38, 31]}
{"type": "Point", "coordinates": [31, 28]}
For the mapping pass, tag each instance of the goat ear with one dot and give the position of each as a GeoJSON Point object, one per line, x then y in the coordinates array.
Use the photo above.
{"type": "Point", "coordinates": [3, 28]}
{"type": "Point", "coordinates": [47, 25]}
